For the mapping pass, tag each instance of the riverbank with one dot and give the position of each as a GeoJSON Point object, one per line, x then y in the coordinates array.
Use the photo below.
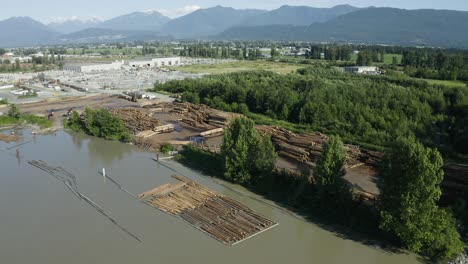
{"type": "Point", "coordinates": [58, 223]}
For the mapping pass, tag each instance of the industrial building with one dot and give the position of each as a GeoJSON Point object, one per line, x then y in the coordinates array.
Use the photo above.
{"type": "Point", "coordinates": [156, 62]}
{"type": "Point", "coordinates": [117, 65]}
{"type": "Point", "coordinates": [363, 70]}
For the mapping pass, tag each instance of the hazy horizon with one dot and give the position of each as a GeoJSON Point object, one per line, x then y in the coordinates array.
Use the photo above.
{"type": "Point", "coordinates": [47, 11]}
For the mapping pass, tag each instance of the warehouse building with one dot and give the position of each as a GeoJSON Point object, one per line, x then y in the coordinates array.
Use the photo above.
{"type": "Point", "coordinates": [117, 65]}
{"type": "Point", "coordinates": [157, 62]}
{"type": "Point", "coordinates": [363, 70]}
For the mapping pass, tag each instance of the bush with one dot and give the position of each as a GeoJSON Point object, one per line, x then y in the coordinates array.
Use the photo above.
{"type": "Point", "coordinates": [14, 112]}
{"type": "Point", "coordinates": [100, 123]}
{"type": "Point", "coordinates": [166, 148]}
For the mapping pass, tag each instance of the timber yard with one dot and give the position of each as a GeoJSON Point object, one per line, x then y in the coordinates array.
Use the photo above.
{"type": "Point", "coordinates": [216, 209]}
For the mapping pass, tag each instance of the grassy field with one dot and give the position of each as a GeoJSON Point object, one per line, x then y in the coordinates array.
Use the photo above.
{"type": "Point", "coordinates": [388, 58]}
{"type": "Point", "coordinates": [446, 83]}
{"type": "Point", "coordinates": [281, 68]}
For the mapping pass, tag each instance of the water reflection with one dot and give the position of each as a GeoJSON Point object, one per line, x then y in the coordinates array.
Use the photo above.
{"type": "Point", "coordinates": [107, 152]}
{"type": "Point", "coordinates": [38, 215]}
{"type": "Point", "coordinates": [18, 157]}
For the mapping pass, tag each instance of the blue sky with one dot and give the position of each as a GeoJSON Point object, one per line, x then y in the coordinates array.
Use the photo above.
{"type": "Point", "coordinates": [51, 10]}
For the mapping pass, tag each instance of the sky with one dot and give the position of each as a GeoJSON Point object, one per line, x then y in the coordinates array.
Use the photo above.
{"type": "Point", "coordinates": [59, 10]}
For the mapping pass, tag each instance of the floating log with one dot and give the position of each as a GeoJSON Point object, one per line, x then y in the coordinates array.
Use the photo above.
{"type": "Point", "coordinates": [216, 215]}
{"type": "Point", "coordinates": [8, 138]}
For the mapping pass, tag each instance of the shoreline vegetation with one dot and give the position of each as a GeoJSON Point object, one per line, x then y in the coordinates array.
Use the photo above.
{"type": "Point", "coordinates": [374, 112]}
{"type": "Point", "coordinates": [325, 199]}
{"type": "Point", "coordinates": [99, 123]}
{"type": "Point", "coordinates": [15, 117]}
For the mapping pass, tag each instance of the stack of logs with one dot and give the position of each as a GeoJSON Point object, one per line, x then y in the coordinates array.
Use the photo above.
{"type": "Point", "coordinates": [308, 147]}
{"type": "Point", "coordinates": [218, 216]}
{"type": "Point", "coordinates": [200, 116]}
{"type": "Point", "coordinates": [135, 120]}
{"type": "Point", "coordinates": [456, 178]}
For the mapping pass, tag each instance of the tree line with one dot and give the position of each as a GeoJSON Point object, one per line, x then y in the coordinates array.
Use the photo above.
{"type": "Point", "coordinates": [361, 109]}
{"type": "Point", "coordinates": [406, 213]}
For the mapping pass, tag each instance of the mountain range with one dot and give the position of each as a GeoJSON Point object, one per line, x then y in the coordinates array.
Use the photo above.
{"type": "Point", "coordinates": [391, 26]}
{"type": "Point", "coordinates": [342, 23]}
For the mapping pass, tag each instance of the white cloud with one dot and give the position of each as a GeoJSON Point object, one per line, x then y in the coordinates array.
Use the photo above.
{"type": "Point", "coordinates": [177, 12]}
{"type": "Point", "coordinates": [74, 18]}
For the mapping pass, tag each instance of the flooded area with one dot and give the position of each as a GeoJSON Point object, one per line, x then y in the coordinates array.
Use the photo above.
{"type": "Point", "coordinates": [43, 222]}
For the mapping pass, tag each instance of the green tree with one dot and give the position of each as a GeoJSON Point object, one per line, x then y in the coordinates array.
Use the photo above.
{"type": "Point", "coordinates": [274, 52]}
{"type": "Point", "coordinates": [409, 184]}
{"type": "Point", "coordinates": [17, 65]}
{"type": "Point", "coordinates": [247, 156]}
{"type": "Point", "coordinates": [99, 123]}
{"type": "Point", "coordinates": [14, 112]}
{"type": "Point", "coordinates": [330, 169]}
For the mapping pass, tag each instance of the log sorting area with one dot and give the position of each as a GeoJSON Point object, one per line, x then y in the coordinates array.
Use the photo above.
{"type": "Point", "coordinates": [197, 116]}
{"type": "Point", "coordinates": [304, 148]}
{"type": "Point", "coordinates": [218, 216]}
{"type": "Point", "coordinates": [136, 120]}
{"type": "Point", "coordinates": [308, 147]}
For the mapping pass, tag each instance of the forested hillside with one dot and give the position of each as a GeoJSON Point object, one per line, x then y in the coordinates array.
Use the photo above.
{"type": "Point", "coordinates": [371, 25]}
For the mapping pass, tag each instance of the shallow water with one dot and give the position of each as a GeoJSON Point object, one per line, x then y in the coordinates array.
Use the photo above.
{"type": "Point", "coordinates": [42, 222]}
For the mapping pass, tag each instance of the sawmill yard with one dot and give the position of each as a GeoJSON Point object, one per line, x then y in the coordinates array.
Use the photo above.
{"type": "Point", "coordinates": [160, 121]}
{"type": "Point", "coordinates": [154, 123]}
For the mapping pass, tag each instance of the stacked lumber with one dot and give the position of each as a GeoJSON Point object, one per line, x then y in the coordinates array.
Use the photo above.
{"type": "Point", "coordinates": [164, 129]}
{"type": "Point", "coordinates": [205, 147]}
{"type": "Point", "coordinates": [200, 116]}
{"type": "Point", "coordinates": [216, 215]}
{"type": "Point", "coordinates": [8, 138]}
{"type": "Point", "coordinates": [456, 177]}
{"type": "Point", "coordinates": [212, 132]}
{"type": "Point", "coordinates": [146, 144]}
{"type": "Point", "coordinates": [145, 134]}
{"type": "Point", "coordinates": [308, 147]}
{"type": "Point", "coordinates": [135, 120]}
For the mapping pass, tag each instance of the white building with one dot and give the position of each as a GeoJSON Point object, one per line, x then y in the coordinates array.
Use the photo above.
{"type": "Point", "coordinates": [363, 70]}
{"type": "Point", "coordinates": [117, 65]}
{"type": "Point", "coordinates": [157, 62]}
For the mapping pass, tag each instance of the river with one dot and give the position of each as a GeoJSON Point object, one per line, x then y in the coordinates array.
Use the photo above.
{"type": "Point", "coordinates": [42, 221]}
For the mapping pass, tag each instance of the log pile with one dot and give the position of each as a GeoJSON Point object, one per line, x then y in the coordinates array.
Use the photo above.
{"type": "Point", "coordinates": [200, 116]}
{"type": "Point", "coordinates": [216, 215]}
{"type": "Point", "coordinates": [456, 177]}
{"type": "Point", "coordinates": [308, 147]}
{"type": "Point", "coordinates": [146, 144]}
{"type": "Point", "coordinates": [8, 138]}
{"type": "Point", "coordinates": [135, 120]}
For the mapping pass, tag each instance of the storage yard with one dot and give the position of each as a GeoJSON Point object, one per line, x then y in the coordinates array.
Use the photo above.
{"type": "Point", "coordinates": [160, 121]}
{"type": "Point", "coordinates": [93, 78]}
{"type": "Point", "coordinates": [220, 217]}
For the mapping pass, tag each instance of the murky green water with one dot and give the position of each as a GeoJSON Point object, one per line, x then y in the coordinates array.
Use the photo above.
{"type": "Point", "coordinates": [42, 222]}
